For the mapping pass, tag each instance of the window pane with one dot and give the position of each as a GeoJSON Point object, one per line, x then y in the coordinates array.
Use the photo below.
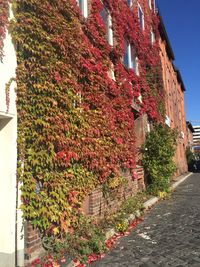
{"type": "Point", "coordinates": [129, 2]}
{"type": "Point", "coordinates": [149, 3]}
{"type": "Point", "coordinates": [126, 54]}
{"type": "Point", "coordinates": [83, 7]}
{"type": "Point", "coordinates": [133, 59]}
{"type": "Point", "coordinates": [141, 18]}
{"type": "Point", "coordinates": [133, 63]}
{"type": "Point", "coordinates": [108, 25]}
{"type": "Point", "coordinates": [104, 16]}
{"type": "Point", "coordinates": [152, 37]}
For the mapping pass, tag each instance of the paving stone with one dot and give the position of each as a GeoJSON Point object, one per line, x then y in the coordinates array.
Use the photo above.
{"type": "Point", "coordinates": [168, 236]}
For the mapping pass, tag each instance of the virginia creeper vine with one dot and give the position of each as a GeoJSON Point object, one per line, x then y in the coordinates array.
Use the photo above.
{"type": "Point", "coordinates": [4, 9]}
{"type": "Point", "coordinates": [75, 123]}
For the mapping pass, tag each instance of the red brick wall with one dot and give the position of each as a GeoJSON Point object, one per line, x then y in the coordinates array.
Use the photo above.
{"type": "Point", "coordinates": [33, 244]}
{"type": "Point", "coordinates": [174, 104]}
{"type": "Point", "coordinates": [97, 205]}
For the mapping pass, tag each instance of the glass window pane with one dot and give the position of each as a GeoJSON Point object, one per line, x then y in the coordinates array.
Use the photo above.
{"type": "Point", "coordinates": [126, 54]}
{"type": "Point", "coordinates": [129, 2]}
{"type": "Point", "coordinates": [133, 59]}
{"type": "Point", "coordinates": [104, 15]}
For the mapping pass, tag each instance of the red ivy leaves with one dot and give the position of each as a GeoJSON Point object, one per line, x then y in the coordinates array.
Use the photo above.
{"type": "Point", "coordinates": [4, 9]}
{"type": "Point", "coordinates": [72, 116]}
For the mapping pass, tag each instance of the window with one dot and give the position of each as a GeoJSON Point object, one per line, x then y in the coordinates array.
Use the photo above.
{"type": "Point", "coordinates": [130, 59]}
{"type": "Point", "coordinates": [152, 37]}
{"type": "Point", "coordinates": [83, 5]}
{"type": "Point", "coordinates": [111, 73]}
{"type": "Point", "coordinates": [127, 52]}
{"type": "Point", "coordinates": [149, 3]}
{"type": "Point", "coordinates": [148, 127]}
{"type": "Point", "coordinates": [129, 2]}
{"type": "Point", "coordinates": [154, 5]}
{"type": "Point", "coordinates": [106, 17]}
{"type": "Point", "coordinates": [141, 17]}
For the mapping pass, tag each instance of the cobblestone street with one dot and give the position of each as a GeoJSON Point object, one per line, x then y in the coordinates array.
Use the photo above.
{"type": "Point", "coordinates": [168, 236]}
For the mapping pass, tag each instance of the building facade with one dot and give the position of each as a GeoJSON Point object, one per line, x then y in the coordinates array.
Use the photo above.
{"type": "Point", "coordinates": [174, 98]}
{"type": "Point", "coordinates": [196, 135]}
{"type": "Point", "coordinates": [12, 243]}
{"type": "Point", "coordinates": [114, 58]}
{"type": "Point", "coordinates": [190, 132]}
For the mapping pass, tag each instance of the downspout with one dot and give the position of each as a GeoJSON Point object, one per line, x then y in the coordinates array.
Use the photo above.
{"type": "Point", "coordinates": [16, 234]}
{"type": "Point", "coordinates": [19, 231]}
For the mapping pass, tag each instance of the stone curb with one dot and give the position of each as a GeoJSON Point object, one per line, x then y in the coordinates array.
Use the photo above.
{"type": "Point", "coordinates": [175, 184]}
{"type": "Point", "coordinates": [146, 205]}
{"type": "Point", "coordinates": [149, 203]}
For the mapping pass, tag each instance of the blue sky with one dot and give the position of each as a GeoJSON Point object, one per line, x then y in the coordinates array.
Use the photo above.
{"type": "Point", "coordinates": [182, 22]}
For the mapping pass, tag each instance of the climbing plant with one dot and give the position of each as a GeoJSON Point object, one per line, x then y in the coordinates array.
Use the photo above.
{"type": "Point", "coordinates": [158, 152]}
{"type": "Point", "coordinates": [76, 123]}
{"type": "Point", "coordinates": [4, 10]}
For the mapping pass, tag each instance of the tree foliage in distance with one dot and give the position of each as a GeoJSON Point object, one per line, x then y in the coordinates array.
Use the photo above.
{"type": "Point", "coordinates": [158, 153]}
{"type": "Point", "coordinates": [190, 159]}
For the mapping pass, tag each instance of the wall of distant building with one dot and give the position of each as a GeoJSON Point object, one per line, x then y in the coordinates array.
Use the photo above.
{"type": "Point", "coordinates": [174, 99]}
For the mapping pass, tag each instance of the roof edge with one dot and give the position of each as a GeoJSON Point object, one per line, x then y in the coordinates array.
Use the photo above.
{"type": "Point", "coordinates": [164, 36]}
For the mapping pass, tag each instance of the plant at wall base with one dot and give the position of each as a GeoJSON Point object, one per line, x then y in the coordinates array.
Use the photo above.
{"type": "Point", "coordinates": [158, 152]}
{"type": "Point", "coordinates": [85, 240]}
{"type": "Point", "coordinates": [122, 226]}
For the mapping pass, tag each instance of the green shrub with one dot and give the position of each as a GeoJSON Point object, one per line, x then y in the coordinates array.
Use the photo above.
{"type": "Point", "coordinates": [158, 152]}
{"type": "Point", "coordinates": [190, 159]}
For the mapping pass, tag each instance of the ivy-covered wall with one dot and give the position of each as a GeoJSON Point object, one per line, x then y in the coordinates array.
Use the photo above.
{"type": "Point", "coordinates": [8, 146]}
{"type": "Point", "coordinates": [4, 8]}
{"type": "Point", "coordinates": [77, 103]}
{"type": "Point", "coordinates": [75, 123]}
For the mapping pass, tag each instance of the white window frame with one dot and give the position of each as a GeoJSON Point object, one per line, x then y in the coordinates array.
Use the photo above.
{"type": "Point", "coordinates": [132, 58]}
{"type": "Point", "coordinates": [148, 127]}
{"type": "Point", "coordinates": [108, 25]}
{"type": "Point", "coordinates": [140, 98]}
{"type": "Point", "coordinates": [109, 30]}
{"type": "Point", "coordinates": [152, 36]}
{"type": "Point", "coordinates": [141, 22]}
{"type": "Point", "coordinates": [150, 4]}
{"type": "Point", "coordinates": [83, 7]}
{"type": "Point", "coordinates": [111, 72]}
{"type": "Point", "coordinates": [154, 5]}
{"type": "Point", "coordinates": [167, 120]}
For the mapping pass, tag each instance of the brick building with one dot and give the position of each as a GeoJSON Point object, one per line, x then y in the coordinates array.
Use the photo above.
{"type": "Point", "coordinates": [174, 98]}
{"type": "Point", "coordinates": [196, 140]}
{"type": "Point", "coordinates": [17, 251]}
{"type": "Point", "coordinates": [190, 132]}
{"type": "Point", "coordinates": [95, 204]}
{"type": "Point", "coordinates": [196, 135]}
